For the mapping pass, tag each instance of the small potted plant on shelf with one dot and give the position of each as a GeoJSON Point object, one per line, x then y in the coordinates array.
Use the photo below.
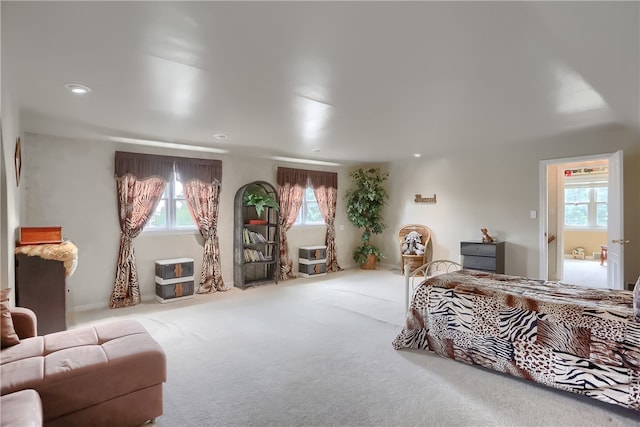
{"type": "Point", "coordinates": [364, 209]}
{"type": "Point", "coordinates": [257, 197]}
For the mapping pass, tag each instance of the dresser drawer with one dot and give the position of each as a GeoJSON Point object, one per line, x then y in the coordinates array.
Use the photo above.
{"type": "Point", "coordinates": [312, 252]}
{"type": "Point", "coordinates": [479, 263]}
{"type": "Point", "coordinates": [478, 249]}
{"type": "Point", "coordinates": [175, 289]}
{"type": "Point", "coordinates": [174, 268]}
{"type": "Point", "coordinates": [308, 268]}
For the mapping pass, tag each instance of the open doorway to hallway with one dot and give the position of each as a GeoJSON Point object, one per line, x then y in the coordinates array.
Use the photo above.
{"type": "Point", "coordinates": [582, 189]}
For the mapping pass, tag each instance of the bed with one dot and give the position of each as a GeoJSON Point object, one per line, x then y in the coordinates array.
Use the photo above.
{"type": "Point", "coordinates": [572, 338]}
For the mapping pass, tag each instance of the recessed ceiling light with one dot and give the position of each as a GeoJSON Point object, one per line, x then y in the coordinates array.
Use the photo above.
{"type": "Point", "coordinates": [416, 155]}
{"type": "Point", "coordinates": [316, 150]}
{"type": "Point", "coordinates": [220, 136]}
{"type": "Point", "coordinates": [77, 88]}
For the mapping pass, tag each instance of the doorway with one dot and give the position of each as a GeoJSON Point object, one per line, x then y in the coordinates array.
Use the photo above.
{"type": "Point", "coordinates": [581, 205]}
{"type": "Point", "coordinates": [582, 222]}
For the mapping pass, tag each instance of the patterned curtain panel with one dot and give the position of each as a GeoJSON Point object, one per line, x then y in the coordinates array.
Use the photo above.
{"type": "Point", "coordinates": [290, 199]}
{"type": "Point", "coordinates": [203, 200]}
{"type": "Point", "coordinates": [136, 202]}
{"type": "Point", "coordinates": [140, 182]}
{"type": "Point", "coordinates": [325, 188]}
{"type": "Point", "coordinates": [201, 182]}
{"type": "Point", "coordinates": [291, 186]}
{"type": "Point", "coordinates": [327, 197]}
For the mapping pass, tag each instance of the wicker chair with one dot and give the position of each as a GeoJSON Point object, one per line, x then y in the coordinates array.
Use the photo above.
{"type": "Point", "coordinates": [414, 261]}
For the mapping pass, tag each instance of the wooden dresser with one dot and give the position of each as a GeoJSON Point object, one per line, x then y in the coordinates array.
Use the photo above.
{"type": "Point", "coordinates": [41, 286]}
{"type": "Point", "coordinates": [483, 256]}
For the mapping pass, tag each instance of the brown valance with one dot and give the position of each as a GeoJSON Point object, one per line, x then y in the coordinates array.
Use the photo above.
{"type": "Point", "coordinates": [143, 166]}
{"type": "Point", "coordinates": [302, 176]}
{"type": "Point", "coordinates": [292, 177]}
{"type": "Point", "coordinates": [323, 179]}
{"type": "Point", "coordinates": [205, 170]}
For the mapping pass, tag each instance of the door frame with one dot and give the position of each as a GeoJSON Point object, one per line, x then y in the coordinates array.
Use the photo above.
{"type": "Point", "coordinates": [543, 270]}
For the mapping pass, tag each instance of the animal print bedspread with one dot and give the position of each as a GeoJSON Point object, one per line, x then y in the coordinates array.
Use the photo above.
{"type": "Point", "coordinates": [582, 340]}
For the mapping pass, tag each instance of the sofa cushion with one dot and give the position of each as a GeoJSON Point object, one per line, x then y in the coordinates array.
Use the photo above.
{"type": "Point", "coordinates": [111, 330]}
{"type": "Point", "coordinates": [74, 362]}
{"type": "Point", "coordinates": [29, 347]}
{"type": "Point", "coordinates": [22, 374]}
{"type": "Point", "coordinates": [69, 339]}
{"type": "Point", "coordinates": [7, 332]}
{"type": "Point", "coordinates": [21, 409]}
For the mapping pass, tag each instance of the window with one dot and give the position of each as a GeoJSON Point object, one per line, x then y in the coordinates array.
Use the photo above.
{"type": "Point", "coordinates": [585, 206]}
{"type": "Point", "coordinates": [172, 212]}
{"type": "Point", "coordinates": [309, 211]}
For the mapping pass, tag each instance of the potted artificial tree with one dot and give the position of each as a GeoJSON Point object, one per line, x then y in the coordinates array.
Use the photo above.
{"type": "Point", "coordinates": [364, 209]}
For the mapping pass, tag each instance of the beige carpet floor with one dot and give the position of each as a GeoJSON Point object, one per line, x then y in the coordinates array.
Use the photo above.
{"type": "Point", "coordinates": [317, 352]}
{"type": "Point", "coordinates": [585, 272]}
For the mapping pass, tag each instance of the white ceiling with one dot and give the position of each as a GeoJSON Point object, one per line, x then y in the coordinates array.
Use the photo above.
{"type": "Point", "coordinates": [359, 81]}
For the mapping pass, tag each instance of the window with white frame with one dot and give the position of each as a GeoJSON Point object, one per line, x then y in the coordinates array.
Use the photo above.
{"type": "Point", "coordinates": [172, 212]}
{"type": "Point", "coordinates": [309, 211]}
{"type": "Point", "coordinates": [585, 205]}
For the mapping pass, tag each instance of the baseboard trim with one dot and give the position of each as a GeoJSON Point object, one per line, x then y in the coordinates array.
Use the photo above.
{"type": "Point", "coordinates": [586, 257]}
{"type": "Point", "coordinates": [89, 307]}
{"type": "Point", "coordinates": [101, 305]}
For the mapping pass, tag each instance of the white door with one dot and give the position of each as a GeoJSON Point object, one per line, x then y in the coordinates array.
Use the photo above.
{"type": "Point", "coordinates": [615, 229]}
{"type": "Point", "coordinates": [554, 238]}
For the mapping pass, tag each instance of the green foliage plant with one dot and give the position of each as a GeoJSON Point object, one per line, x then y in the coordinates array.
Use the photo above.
{"type": "Point", "coordinates": [365, 200]}
{"type": "Point", "coordinates": [257, 196]}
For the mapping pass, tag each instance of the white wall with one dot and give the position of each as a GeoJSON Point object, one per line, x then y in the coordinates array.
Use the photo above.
{"type": "Point", "coordinates": [9, 193]}
{"type": "Point", "coordinates": [496, 188]}
{"type": "Point", "coordinates": [70, 182]}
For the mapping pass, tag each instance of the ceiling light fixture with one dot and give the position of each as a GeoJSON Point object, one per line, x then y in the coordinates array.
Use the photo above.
{"type": "Point", "coordinates": [316, 150]}
{"type": "Point", "coordinates": [220, 136]}
{"type": "Point", "coordinates": [163, 144]}
{"type": "Point", "coordinates": [77, 88]}
{"type": "Point", "coordinates": [416, 155]}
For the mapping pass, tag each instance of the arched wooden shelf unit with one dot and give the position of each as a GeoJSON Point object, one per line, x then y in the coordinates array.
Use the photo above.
{"type": "Point", "coordinates": [256, 239]}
